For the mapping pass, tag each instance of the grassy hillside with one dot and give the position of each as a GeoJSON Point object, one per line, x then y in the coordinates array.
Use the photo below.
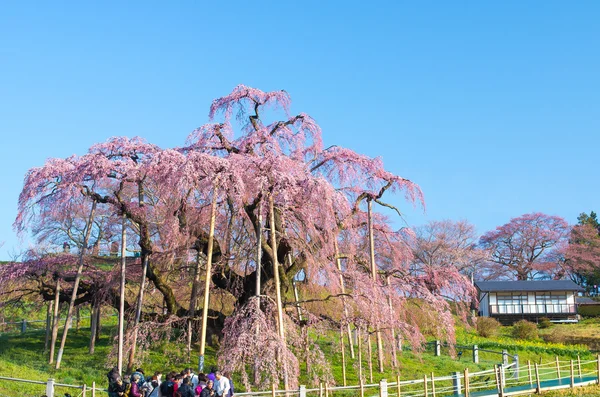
{"type": "Point", "coordinates": [21, 356]}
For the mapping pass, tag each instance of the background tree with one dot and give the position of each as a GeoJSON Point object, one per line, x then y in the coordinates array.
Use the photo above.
{"type": "Point", "coordinates": [440, 244]}
{"type": "Point", "coordinates": [526, 248]}
{"type": "Point", "coordinates": [582, 255]}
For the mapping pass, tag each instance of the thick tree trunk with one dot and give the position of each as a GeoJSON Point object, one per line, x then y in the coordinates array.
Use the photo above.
{"type": "Point", "coordinates": [86, 239]}
{"type": "Point", "coordinates": [122, 295]}
{"type": "Point", "coordinates": [55, 321]}
{"type": "Point", "coordinates": [211, 237]}
{"type": "Point", "coordinates": [374, 274]}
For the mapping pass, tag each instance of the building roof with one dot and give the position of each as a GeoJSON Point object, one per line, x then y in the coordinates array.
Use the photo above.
{"type": "Point", "coordinates": [534, 285]}
{"type": "Point", "coordinates": [583, 300]}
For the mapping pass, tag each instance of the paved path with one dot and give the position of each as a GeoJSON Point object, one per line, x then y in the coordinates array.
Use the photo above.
{"type": "Point", "coordinates": [546, 384]}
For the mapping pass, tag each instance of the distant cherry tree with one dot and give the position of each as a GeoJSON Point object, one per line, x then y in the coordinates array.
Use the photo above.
{"type": "Point", "coordinates": [582, 254]}
{"type": "Point", "coordinates": [527, 247]}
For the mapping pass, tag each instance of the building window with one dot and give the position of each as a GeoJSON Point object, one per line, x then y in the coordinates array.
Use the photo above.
{"type": "Point", "coordinates": [552, 302]}
{"type": "Point", "coordinates": [511, 302]}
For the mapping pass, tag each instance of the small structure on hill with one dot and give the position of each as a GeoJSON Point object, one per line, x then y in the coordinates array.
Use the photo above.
{"type": "Point", "coordinates": [511, 301]}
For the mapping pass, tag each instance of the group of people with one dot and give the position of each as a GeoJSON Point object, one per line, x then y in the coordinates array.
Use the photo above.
{"type": "Point", "coordinates": [176, 384]}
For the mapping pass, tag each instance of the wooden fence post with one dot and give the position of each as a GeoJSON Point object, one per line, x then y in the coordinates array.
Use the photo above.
{"type": "Point", "coordinates": [538, 387]}
{"type": "Point", "coordinates": [529, 376]}
{"type": "Point", "coordinates": [50, 388]}
{"type": "Point", "coordinates": [572, 375]}
{"type": "Point", "coordinates": [320, 389]}
{"type": "Point", "coordinates": [383, 390]}
{"type": "Point", "coordinates": [466, 376]}
{"type": "Point", "coordinates": [326, 390]}
{"type": "Point", "coordinates": [579, 366]}
{"type": "Point", "coordinates": [93, 389]}
{"type": "Point", "coordinates": [497, 375]}
{"type": "Point", "coordinates": [302, 392]}
{"type": "Point", "coordinates": [476, 354]}
{"type": "Point", "coordinates": [425, 386]}
{"type": "Point", "coordinates": [557, 368]}
{"type": "Point", "coordinates": [432, 385]}
{"type": "Point", "coordinates": [398, 384]}
{"type": "Point", "coordinates": [84, 390]}
{"type": "Point", "coordinates": [272, 389]}
{"type": "Point", "coordinates": [438, 348]}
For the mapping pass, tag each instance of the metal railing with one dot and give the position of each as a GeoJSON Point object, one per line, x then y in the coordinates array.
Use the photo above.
{"type": "Point", "coordinates": [537, 308]}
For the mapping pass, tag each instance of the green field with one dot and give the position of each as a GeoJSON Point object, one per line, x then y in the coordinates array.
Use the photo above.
{"type": "Point", "coordinates": [22, 356]}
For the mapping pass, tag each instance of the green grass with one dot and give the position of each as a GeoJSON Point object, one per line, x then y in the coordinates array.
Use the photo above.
{"type": "Point", "coordinates": [22, 356]}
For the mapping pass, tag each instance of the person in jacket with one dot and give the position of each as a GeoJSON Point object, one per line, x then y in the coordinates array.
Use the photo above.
{"type": "Point", "coordinates": [135, 388]}
{"type": "Point", "coordinates": [221, 384]}
{"type": "Point", "coordinates": [208, 391]}
{"type": "Point", "coordinates": [186, 390]}
{"type": "Point", "coordinates": [115, 388]}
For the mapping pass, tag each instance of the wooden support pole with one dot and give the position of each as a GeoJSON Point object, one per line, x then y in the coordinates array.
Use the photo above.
{"type": "Point", "coordinates": [557, 368]}
{"type": "Point", "coordinates": [338, 262]}
{"type": "Point", "coordinates": [425, 394]}
{"type": "Point", "coordinates": [83, 392]}
{"type": "Point", "coordinates": [93, 389]}
{"type": "Point", "coordinates": [466, 376]}
{"type": "Point", "coordinates": [360, 364]}
{"type": "Point", "coordinates": [343, 355]}
{"type": "Point", "coordinates": [88, 229]}
{"type": "Point", "coordinates": [362, 388]}
{"type": "Point", "coordinates": [55, 321]}
{"type": "Point", "coordinates": [272, 389]}
{"type": "Point", "coordinates": [538, 387]}
{"type": "Point", "coordinates": [122, 296]}
{"type": "Point", "coordinates": [432, 385]}
{"type": "Point", "coordinates": [529, 375]}
{"type": "Point", "coordinates": [207, 279]}
{"type": "Point", "coordinates": [398, 385]}
{"type": "Point", "coordinates": [572, 377]}
{"type": "Point", "coordinates": [370, 350]}
{"type": "Point", "coordinates": [374, 275]}
{"type": "Point", "coordinates": [326, 390]}
{"type": "Point", "coordinates": [48, 326]}
{"type": "Point", "coordinates": [320, 389]}
{"type": "Point", "coordinates": [579, 366]}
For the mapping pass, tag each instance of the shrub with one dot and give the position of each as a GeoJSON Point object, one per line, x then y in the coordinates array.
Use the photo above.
{"type": "Point", "coordinates": [544, 322]}
{"type": "Point", "coordinates": [557, 335]}
{"type": "Point", "coordinates": [487, 326]}
{"type": "Point", "coordinates": [524, 330]}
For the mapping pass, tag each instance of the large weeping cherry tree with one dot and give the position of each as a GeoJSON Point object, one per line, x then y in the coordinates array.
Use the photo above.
{"type": "Point", "coordinates": [251, 206]}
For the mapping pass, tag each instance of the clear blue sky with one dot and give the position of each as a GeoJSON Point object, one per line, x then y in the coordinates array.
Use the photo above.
{"type": "Point", "coordinates": [492, 107]}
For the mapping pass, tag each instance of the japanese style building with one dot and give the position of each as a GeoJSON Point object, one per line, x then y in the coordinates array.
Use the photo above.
{"type": "Point", "coordinates": [510, 301]}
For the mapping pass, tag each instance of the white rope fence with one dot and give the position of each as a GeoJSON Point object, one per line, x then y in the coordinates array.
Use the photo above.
{"type": "Point", "coordinates": [499, 381]}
